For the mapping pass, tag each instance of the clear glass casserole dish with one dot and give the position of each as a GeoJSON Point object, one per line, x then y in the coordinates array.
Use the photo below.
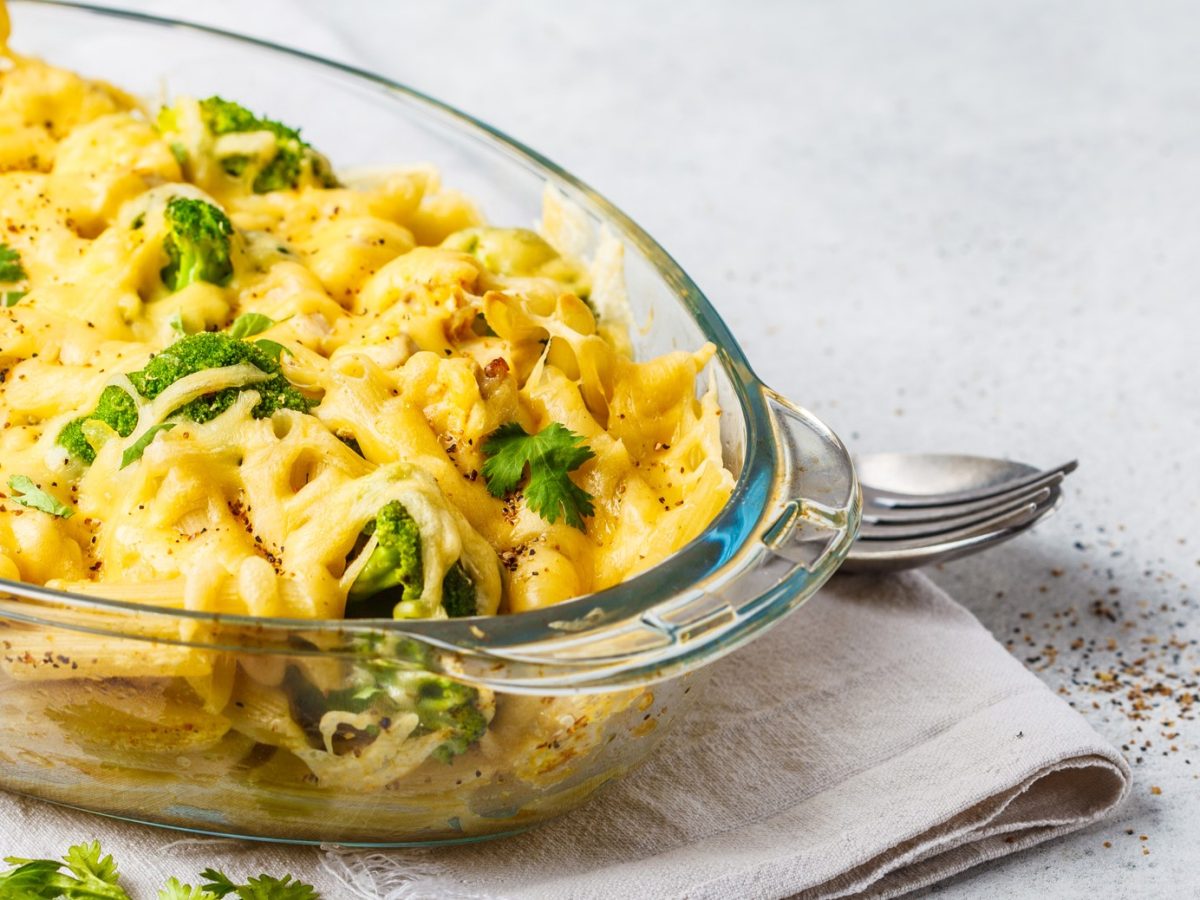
{"type": "Point", "coordinates": [583, 690]}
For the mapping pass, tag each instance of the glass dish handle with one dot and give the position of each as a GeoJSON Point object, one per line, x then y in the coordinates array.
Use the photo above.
{"type": "Point", "coordinates": [809, 520]}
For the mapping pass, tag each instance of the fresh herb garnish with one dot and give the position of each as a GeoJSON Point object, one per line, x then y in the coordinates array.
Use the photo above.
{"type": "Point", "coordinates": [249, 324]}
{"type": "Point", "coordinates": [88, 876]}
{"type": "Point", "coordinates": [135, 450]}
{"type": "Point", "coordinates": [264, 887]}
{"type": "Point", "coordinates": [549, 455]}
{"type": "Point", "coordinates": [84, 874]}
{"type": "Point", "coordinates": [273, 348]}
{"type": "Point", "coordinates": [11, 271]}
{"type": "Point", "coordinates": [176, 890]}
{"type": "Point", "coordinates": [25, 492]}
{"type": "Point", "coordinates": [10, 265]}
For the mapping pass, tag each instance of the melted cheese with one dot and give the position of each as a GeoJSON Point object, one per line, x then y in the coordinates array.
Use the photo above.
{"type": "Point", "coordinates": [416, 331]}
{"type": "Point", "coordinates": [415, 350]}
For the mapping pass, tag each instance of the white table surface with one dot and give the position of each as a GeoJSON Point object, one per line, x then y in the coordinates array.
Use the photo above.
{"type": "Point", "coordinates": [968, 227]}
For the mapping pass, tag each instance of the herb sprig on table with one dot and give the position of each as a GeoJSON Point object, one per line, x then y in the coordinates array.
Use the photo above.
{"type": "Point", "coordinates": [85, 874]}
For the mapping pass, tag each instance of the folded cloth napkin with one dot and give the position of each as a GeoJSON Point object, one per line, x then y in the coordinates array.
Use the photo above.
{"type": "Point", "coordinates": [876, 741]}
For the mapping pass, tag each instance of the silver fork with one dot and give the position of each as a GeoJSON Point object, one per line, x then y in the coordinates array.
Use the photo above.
{"type": "Point", "coordinates": [925, 508]}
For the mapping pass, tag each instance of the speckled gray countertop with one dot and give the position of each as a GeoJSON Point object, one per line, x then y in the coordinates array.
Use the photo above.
{"type": "Point", "coordinates": [939, 225]}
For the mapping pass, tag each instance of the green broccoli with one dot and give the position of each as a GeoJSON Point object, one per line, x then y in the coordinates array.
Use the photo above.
{"type": "Point", "coordinates": [458, 593]}
{"type": "Point", "coordinates": [396, 563]}
{"type": "Point", "coordinates": [211, 350]}
{"type": "Point", "coordinates": [294, 162]}
{"type": "Point", "coordinates": [442, 703]}
{"type": "Point", "coordinates": [115, 408]}
{"type": "Point", "coordinates": [197, 244]}
{"type": "Point", "coordinates": [187, 356]}
{"type": "Point", "coordinates": [386, 686]}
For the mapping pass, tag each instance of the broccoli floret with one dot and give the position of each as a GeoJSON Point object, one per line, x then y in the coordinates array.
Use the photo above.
{"type": "Point", "coordinates": [187, 356]}
{"type": "Point", "coordinates": [293, 159]}
{"type": "Point", "coordinates": [396, 560]}
{"type": "Point", "coordinates": [396, 571]}
{"type": "Point", "coordinates": [386, 687]}
{"type": "Point", "coordinates": [458, 593]}
{"type": "Point", "coordinates": [211, 350]}
{"type": "Point", "coordinates": [71, 437]}
{"type": "Point", "coordinates": [291, 163]}
{"type": "Point", "coordinates": [197, 244]}
{"type": "Point", "coordinates": [115, 408]}
{"type": "Point", "coordinates": [442, 703]}
{"type": "Point", "coordinates": [226, 117]}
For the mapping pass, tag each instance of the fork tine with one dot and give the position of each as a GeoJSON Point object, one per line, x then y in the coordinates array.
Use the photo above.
{"type": "Point", "coordinates": [1000, 520]}
{"type": "Point", "coordinates": [891, 515]}
{"type": "Point", "coordinates": [894, 500]}
{"type": "Point", "coordinates": [863, 559]}
{"type": "Point", "coordinates": [882, 556]}
{"type": "Point", "coordinates": [882, 528]}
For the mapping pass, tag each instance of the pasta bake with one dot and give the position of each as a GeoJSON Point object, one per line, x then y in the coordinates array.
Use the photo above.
{"type": "Point", "coordinates": [235, 379]}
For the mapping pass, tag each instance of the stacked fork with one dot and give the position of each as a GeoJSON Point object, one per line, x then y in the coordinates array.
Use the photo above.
{"type": "Point", "coordinates": [922, 509]}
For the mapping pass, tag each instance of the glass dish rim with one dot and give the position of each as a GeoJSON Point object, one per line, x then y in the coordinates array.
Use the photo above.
{"type": "Point", "coordinates": [731, 529]}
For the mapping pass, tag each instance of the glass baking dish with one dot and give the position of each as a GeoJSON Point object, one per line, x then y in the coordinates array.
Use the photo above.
{"type": "Point", "coordinates": [583, 691]}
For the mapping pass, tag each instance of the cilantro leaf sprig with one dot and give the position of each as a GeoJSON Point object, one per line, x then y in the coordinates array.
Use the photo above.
{"type": "Point", "coordinates": [11, 269]}
{"type": "Point", "coordinates": [176, 890]}
{"type": "Point", "coordinates": [89, 876]}
{"type": "Point", "coordinates": [135, 450]}
{"type": "Point", "coordinates": [249, 324]}
{"type": "Point", "coordinates": [25, 492]}
{"type": "Point", "coordinates": [244, 326]}
{"type": "Point", "coordinates": [264, 887]}
{"type": "Point", "coordinates": [85, 874]}
{"type": "Point", "coordinates": [549, 456]}
{"type": "Point", "coordinates": [85, 861]}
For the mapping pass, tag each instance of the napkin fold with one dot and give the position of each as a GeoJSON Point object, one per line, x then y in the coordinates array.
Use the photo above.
{"type": "Point", "coordinates": [876, 741]}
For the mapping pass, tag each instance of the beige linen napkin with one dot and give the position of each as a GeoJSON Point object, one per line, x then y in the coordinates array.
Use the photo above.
{"type": "Point", "coordinates": [876, 741]}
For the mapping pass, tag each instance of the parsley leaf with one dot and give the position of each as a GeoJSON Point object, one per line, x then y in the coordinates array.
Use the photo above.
{"type": "Point", "coordinates": [274, 348]}
{"type": "Point", "coordinates": [264, 887]}
{"type": "Point", "coordinates": [25, 492]}
{"type": "Point", "coordinates": [217, 883]}
{"type": "Point", "coordinates": [135, 450]}
{"type": "Point", "coordinates": [10, 265]}
{"type": "Point", "coordinates": [249, 324]}
{"type": "Point", "coordinates": [12, 298]}
{"type": "Point", "coordinates": [85, 861]}
{"type": "Point", "coordinates": [549, 455]}
{"type": "Point", "coordinates": [33, 879]}
{"type": "Point", "coordinates": [90, 876]}
{"type": "Point", "coordinates": [174, 890]}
